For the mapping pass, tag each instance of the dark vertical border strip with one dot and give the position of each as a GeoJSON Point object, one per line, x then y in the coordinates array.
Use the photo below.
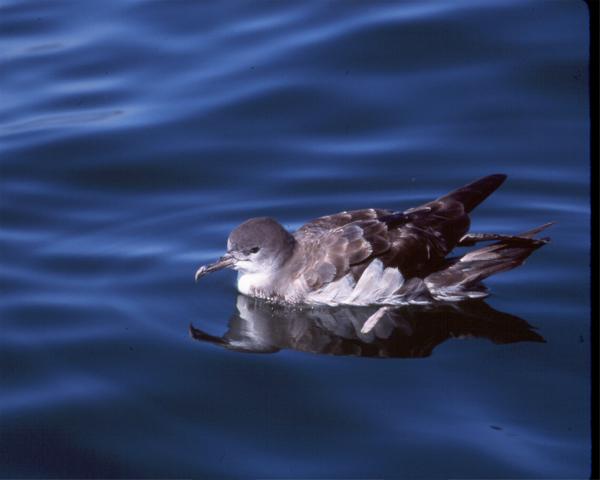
{"type": "Point", "coordinates": [594, 160]}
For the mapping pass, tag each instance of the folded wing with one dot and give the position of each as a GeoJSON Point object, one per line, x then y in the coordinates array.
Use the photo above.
{"type": "Point", "coordinates": [416, 241]}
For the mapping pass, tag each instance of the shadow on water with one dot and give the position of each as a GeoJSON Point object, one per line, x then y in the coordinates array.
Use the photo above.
{"type": "Point", "coordinates": [414, 331]}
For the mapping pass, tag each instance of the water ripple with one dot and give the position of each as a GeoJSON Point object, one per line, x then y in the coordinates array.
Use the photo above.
{"type": "Point", "coordinates": [135, 136]}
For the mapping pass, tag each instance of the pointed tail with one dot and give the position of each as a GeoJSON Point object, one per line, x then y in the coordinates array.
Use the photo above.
{"type": "Point", "coordinates": [462, 279]}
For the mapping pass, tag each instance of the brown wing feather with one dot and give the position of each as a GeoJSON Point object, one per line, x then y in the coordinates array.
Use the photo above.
{"type": "Point", "coordinates": [428, 234]}
{"type": "Point", "coordinates": [415, 241]}
{"type": "Point", "coordinates": [329, 254]}
{"type": "Point", "coordinates": [346, 242]}
{"type": "Point", "coordinates": [329, 222]}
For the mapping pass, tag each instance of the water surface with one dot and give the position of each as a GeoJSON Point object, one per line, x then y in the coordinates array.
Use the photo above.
{"type": "Point", "coordinates": [135, 135]}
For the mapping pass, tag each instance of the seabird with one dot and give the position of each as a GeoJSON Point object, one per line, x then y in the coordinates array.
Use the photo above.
{"type": "Point", "coordinates": [375, 256]}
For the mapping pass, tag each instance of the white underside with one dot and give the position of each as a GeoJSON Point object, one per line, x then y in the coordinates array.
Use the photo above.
{"type": "Point", "coordinates": [253, 283]}
{"type": "Point", "coordinates": [376, 286]}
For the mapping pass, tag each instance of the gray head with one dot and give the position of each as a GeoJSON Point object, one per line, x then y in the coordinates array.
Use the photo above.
{"type": "Point", "coordinates": [257, 245]}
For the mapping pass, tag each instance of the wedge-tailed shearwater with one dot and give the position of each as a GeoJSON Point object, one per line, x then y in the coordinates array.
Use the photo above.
{"type": "Point", "coordinates": [375, 256]}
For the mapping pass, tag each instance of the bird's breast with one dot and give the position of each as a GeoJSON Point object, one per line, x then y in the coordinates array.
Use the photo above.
{"type": "Point", "coordinates": [258, 284]}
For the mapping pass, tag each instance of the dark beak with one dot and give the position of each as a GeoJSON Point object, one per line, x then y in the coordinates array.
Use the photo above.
{"type": "Point", "coordinates": [225, 261]}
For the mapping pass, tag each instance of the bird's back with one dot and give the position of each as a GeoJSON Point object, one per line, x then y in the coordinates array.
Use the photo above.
{"type": "Point", "coordinates": [416, 241]}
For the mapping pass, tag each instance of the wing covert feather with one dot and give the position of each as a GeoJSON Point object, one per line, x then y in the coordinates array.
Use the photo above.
{"type": "Point", "coordinates": [330, 254]}
{"type": "Point", "coordinates": [415, 241]}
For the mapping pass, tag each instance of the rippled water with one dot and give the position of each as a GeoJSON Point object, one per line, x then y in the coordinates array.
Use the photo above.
{"type": "Point", "coordinates": [136, 135]}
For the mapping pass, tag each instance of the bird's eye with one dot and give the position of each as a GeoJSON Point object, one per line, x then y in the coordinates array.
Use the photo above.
{"type": "Point", "coordinates": [254, 249]}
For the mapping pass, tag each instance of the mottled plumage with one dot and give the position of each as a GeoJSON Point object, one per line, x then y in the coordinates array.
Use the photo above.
{"type": "Point", "coordinates": [375, 256]}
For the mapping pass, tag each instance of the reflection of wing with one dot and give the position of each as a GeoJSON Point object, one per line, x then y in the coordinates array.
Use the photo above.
{"type": "Point", "coordinates": [262, 327]}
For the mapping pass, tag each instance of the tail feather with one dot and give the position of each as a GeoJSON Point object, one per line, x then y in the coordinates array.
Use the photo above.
{"type": "Point", "coordinates": [536, 230]}
{"type": "Point", "coordinates": [476, 192]}
{"type": "Point", "coordinates": [462, 279]}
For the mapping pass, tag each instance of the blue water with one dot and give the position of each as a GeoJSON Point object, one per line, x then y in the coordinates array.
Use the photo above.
{"type": "Point", "coordinates": [135, 135]}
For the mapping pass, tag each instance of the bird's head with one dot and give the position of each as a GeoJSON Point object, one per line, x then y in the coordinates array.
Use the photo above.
{"type": "Point", "coordinates": [257, 245]}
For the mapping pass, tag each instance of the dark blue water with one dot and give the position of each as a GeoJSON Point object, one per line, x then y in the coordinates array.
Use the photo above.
{"type": "Point", "coordinates": [136, 135]}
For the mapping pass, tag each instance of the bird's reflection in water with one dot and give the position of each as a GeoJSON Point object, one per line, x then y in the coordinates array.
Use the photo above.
{"type": "Point", "coordinates": [413, 331]}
